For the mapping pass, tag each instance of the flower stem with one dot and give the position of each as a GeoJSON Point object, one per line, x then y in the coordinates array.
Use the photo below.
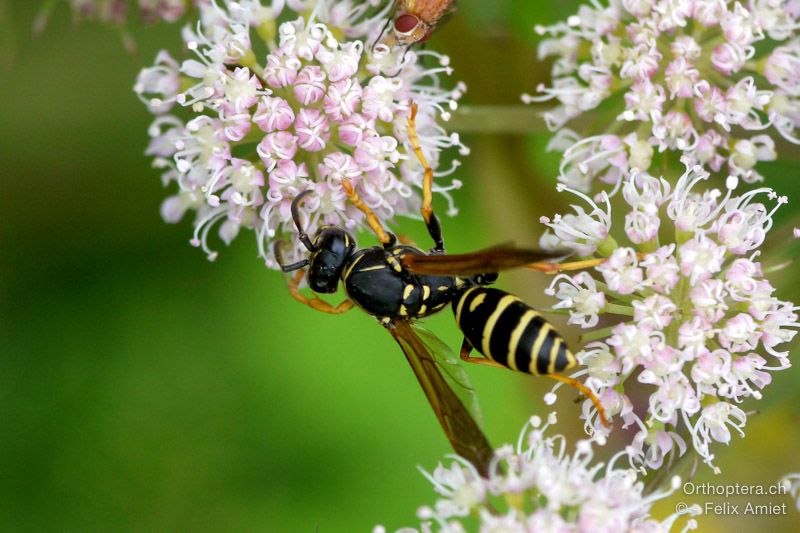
{"type": "Point", "coordinates": [596, 334]}
{"type": "Point", "coordinates": [510, 119]}
{"type": "Point", "coordinates": [619, 309]}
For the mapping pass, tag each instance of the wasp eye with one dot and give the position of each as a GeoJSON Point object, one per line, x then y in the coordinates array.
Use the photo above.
{"type": "Point", "coordinates": [406, 23]}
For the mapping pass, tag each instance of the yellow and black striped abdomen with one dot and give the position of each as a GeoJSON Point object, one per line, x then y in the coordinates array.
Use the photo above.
{"type": "Point", "coordinates": [506, 330]}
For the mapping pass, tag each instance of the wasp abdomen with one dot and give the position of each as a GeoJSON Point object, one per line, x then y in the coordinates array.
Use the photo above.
{"type": "Point", "coordinates": [506, 330]}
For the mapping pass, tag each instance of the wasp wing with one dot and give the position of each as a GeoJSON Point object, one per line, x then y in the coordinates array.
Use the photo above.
{"type": "Point", "coordinates": [461, 429]}
{"type": "Point", "coordinates": [452, 370]}
{"type": "Point", "coordinates": [486, 261]}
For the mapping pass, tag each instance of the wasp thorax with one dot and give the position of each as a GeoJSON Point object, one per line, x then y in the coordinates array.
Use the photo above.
{"type": "Point", "coordinates": [333, 248]}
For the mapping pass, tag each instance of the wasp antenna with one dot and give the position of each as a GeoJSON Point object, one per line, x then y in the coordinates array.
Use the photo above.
{"type": "Point", "coordinates": [296, 217]}
{"type": "Point", "coordinates": [276, 249]}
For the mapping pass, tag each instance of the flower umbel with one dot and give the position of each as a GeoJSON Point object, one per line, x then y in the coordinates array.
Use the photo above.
{"type": "Point", "coordinates": [792, 484]}
{"type": "Point", "coordinates": [317, 107]}
{"type": "Point", "coordinates": [116, 12]}
{"type": "Point", "coordinates": [539, 486]}
{"type": "Point", "coordinates": [703, 328]}
{"type": "Point", "coordinates": [697, 78]}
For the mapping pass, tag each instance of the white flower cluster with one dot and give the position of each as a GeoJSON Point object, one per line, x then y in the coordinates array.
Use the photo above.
{"type": "Point", "coordinates": [700, 78]}
{"type": "Point", "coordinates": [280, 108]}
{"type": "Point", "coordinates": [543, 487]}
{"type": "Point", "coordinates": [700, 315]}
{"type": "Point", "coordinates": [792, 484]}
{"type": "Point", "coordinates": [116, 11]}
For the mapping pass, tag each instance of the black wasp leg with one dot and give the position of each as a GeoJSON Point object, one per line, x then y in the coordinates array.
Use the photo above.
{"type": "Point", "coordinates": [430, 218]}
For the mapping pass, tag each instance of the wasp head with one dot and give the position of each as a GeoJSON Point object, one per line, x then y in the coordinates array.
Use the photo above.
{"type": "Point", "coordinates": [333, 246]}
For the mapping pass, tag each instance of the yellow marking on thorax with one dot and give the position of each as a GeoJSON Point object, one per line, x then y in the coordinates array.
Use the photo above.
{"type": "Point", "coordinates": [513, 342]}
{"type": "Point", "coordinates": [551, 367]}
{"type": "Point", "coordinates": [370, 269]}
{"type": "Point", "coordinates": [537, 345]}
{"type": "Point", "coordinates": [426, 291]}
{"type": "Point", "coordinates": [407, 292]}
{"type": "Point", "coordinates": [442, 288]}
{"type": "Point", "coordinates": [459, 283]}
{"type": "Point", "coordinates": [394, 263]}
{"type": "Point", "coordinates": [403, 310]}
{"type": "Point", "coordinates": [422, 309]}
{"type": "Point", "coordinates": [460, 305]}
{"type": "Point", "coordinates": [504, 302]}
{"type": "Point", "coordinates": [476, 302]}
{"type": "Point", "coordinates": [351, 267]}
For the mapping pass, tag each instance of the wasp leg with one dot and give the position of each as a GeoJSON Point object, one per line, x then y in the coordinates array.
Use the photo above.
{"type": "Point", "coordinates": [316, 303]}
{"type": "Point", "coordinates": [466, 349]}
{"type": "Point", "coordinates": [554, 268]}
{"type": "Point", "coordinates": [408, 241]}
{"type": "Point", "coordinates": [431, 220]}
{"type": "Point", "coordinates": [387, 238]}
{"type": "Point", "coordinates": [586, 392]}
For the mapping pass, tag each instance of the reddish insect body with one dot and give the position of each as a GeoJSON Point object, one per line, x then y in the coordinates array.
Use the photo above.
{"type": "Point", "coordinates": [414, 20]}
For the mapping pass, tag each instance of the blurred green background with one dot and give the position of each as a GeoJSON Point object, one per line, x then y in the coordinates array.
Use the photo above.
{"type": "Point", "coordinates": [144, 388]}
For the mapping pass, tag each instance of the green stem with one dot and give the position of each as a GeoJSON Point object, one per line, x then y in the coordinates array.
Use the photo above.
{"type": "Point", "coordinates": [508, 119]}
{"type": "Point", "coordinates": [619, 309]}
{"type": "Point", "coordinates": [597, 334]}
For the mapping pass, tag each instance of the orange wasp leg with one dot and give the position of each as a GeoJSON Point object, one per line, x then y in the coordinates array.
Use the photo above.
{"type": "Point", "coordinates": [586, 392]}
{"type": "Point", "coordinates": [387, 238]}
{"type": "Point", "coordinates": [316, 303]}
{"type": "Point", "coordinates": [554, 268]}
{"type": "Point", "coordinates": [431, 220]}
{"type": "Point", "coordinates": [466, 349]}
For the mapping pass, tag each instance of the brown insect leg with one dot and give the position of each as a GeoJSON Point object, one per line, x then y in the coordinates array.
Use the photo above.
{"type": "Point", "coordinates": [431, 220]}
{"type": "Point", "coordinates": [586, 392]}
{"type": "Point", "coordinates": [387, 239]}
{"type": "Point", "coordinates": [554, 268]}
{"type": "Point", "coordinates": [316, 303]}
{"type": "Point", "coordinates": [466, 349]}
{"type": "Point", "coordinates": [408, 241]}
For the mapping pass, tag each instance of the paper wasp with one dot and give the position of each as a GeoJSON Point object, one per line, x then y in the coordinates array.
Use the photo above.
{"type": "Point", "coordinates": [399, 284]}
